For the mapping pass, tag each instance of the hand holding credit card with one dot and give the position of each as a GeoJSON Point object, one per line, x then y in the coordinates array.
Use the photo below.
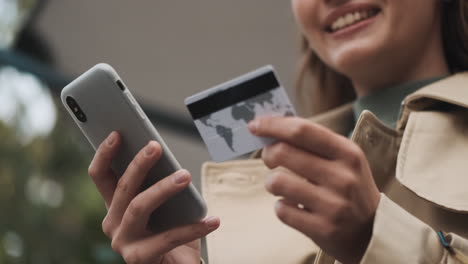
{"type": "Point", "coordinates": [221, 113]}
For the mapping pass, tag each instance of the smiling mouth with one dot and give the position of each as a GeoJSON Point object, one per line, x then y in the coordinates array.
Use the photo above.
{"type": "Point", "coordinates": [351, 18]}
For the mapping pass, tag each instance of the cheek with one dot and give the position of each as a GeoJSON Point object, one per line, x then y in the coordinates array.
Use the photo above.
{"type": "Point", "coordinates": [305, 13]}
{"type": "Point", "coordinates": [420, 23]}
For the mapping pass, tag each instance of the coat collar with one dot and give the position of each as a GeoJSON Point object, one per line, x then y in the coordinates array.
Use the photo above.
{"type": "Point", "coordinates": [448, 91]}
{"type": "Point", "coordinates": [452, 90]}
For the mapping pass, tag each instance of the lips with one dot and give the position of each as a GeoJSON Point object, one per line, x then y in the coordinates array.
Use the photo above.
{"type": "Point", "coordinates": [348, 16]}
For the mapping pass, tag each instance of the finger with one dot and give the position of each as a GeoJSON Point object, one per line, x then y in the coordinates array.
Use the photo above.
{"type": "Point", "coordinates": [301, 133]}
{"type": "Point", "coordinates": [306, 222]}
{"type": "Point", "coordinates": [297, 190]}
{"type": "Point", "coordinates": [100, 168]}
{"type": "Point", "coordinates": [305, 164]}
{"type": "Point", "coordinates": [140, 208]}
{"type": "Point", "coordinates": [150, 249]}
{"type": "Point", "coordinates": [130, 182]}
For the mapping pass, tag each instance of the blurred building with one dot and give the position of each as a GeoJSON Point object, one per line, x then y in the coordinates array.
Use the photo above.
{"type": "Point", "coordinates": [168, 50]}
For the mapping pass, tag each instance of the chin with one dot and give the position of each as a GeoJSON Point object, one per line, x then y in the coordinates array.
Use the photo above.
{"type": "Point", "coordinates": [357, 59]}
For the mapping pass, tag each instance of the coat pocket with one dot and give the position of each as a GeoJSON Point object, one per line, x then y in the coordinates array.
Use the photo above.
{"type": "Point", "coordinates": [433, 158]}
{"type": "Point", "coordinates": [250, 232]}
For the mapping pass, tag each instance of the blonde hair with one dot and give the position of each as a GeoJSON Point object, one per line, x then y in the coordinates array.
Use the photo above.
{"type": "Point", "coordinates": [320, 88]}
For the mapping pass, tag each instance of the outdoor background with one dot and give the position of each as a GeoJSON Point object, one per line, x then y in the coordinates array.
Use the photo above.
{"type": "Point", "coordinates": [50, 212]}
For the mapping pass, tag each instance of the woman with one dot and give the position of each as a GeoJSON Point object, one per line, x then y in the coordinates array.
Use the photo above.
{"type": "Point", "coordinates": [378, 197]}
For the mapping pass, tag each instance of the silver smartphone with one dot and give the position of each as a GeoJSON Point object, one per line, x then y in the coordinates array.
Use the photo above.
{"type": "Point", "coordinates": [99, 103]}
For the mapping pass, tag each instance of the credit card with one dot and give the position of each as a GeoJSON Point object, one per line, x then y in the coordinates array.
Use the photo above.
{"type": "Point", "coordinates": [221, 113]}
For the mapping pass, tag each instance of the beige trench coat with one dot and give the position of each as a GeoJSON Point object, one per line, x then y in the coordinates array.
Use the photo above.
{"type": "Point", "coordinates": [421, 169]}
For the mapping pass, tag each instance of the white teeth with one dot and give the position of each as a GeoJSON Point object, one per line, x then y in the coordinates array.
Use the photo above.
{"type": "Point", "coordinates": [357, 16]}
{"type": "Point", "coordinates": [350, 18]}
{"type": "Point", "coordinates": [341, 22]}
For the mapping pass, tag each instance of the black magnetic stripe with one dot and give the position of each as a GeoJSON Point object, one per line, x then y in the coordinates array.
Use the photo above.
{"type": "Point", "coordinates": [233, 95]}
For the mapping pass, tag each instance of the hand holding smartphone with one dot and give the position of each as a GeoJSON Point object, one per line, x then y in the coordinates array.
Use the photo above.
{"type": "Point", "coordinates": [154, 212]}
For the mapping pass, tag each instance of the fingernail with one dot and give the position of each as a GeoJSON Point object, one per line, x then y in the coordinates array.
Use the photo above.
{"type": "Point", "coordinates": [149, 150]}
{"type": "Point", "coordinates": [111, 138]}
{"type": "Point", "coordinates": [253, 126]}
{"type": "Point", "coordinates": [278, 205]}
{"type": "Point", "coordinates": [212, 222]}
{"type": "Point", "coordinates": [181, 176]}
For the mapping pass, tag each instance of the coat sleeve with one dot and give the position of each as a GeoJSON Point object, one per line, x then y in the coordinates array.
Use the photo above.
{"type": "Point", "coordinates": [399, 237]}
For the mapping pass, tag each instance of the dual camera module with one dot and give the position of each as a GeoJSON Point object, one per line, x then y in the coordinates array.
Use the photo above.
{"type": "Point", "coordinates": [76, 109]}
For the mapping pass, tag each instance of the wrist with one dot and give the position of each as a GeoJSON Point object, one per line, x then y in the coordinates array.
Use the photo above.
{"type": "Point", "coordinates": [357, 244]}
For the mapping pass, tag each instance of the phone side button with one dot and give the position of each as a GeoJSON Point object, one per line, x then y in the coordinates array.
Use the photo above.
{"type": "Point", "coordinates": [130, 98]}
{"type": "Point", "coordinates": [140, 112]}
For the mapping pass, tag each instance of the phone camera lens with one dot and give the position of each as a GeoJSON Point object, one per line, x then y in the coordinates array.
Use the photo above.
{"type": "Point", "coordinates": [76, 109]}
{"type": "Point", "coordinates": [71, 101]}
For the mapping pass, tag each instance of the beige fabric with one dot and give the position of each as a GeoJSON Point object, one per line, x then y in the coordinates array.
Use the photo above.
{"type": "Point", "coordinates": [411, 240]}
{"type": "Point", "coordinates": [459, 243]}
{"type": "Point", "coordinates": [409, 237]}
{"type": "Point", "coordinates": [249, 232]}
{"type": "Point", "coordinates": [419, 167]}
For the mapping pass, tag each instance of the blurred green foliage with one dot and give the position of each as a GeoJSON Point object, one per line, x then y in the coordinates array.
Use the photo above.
{"type": "Point", "coordinates": [66, 229]}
